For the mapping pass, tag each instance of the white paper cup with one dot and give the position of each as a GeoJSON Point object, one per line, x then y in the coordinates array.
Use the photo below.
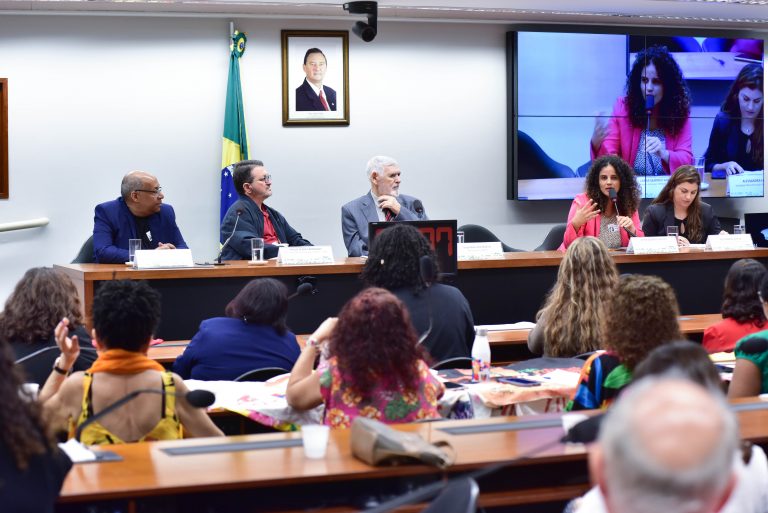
{"type": "Point", "coordinates": [315, 440]}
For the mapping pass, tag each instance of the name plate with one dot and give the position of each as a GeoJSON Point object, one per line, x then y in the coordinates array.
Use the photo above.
{"type": "Point", "coordinates": [480, 251]}
{"type": "Point", "coordinates": [163, 258]}
{"type": "Point", "coordinates": [651, 245]}
{"type": "Point", "coordinates": [748, 183]}
{"type": "Point", "coordinates": [299, 255]}
{"type": "Point", "coordinates": [730, 242]}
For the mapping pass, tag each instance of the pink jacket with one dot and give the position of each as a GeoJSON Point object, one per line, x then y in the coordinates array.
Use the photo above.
{"type": "Point", "coordinates": [623, 140]}
{"type": "Point", "coordinates": [592, 227]}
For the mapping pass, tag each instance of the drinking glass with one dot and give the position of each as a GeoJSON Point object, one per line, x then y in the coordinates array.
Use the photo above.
{"type": "Point", "coordinates": [134, 245]}
{"type": "Point", "coordinates": [257, 249]}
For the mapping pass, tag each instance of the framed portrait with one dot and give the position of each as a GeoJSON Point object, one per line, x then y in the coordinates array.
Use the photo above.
{"type": "Point", "coordinates": [4, 138]}
{"type": "Point", "coordinates": [315, 77]}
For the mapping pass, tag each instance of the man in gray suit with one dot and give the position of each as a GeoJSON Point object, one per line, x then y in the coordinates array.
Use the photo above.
{"type": "Point", "coordinates": [382, 203]}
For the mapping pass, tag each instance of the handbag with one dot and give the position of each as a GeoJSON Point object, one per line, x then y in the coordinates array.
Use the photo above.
{"type": "Point", "coordinates": [378, 444]}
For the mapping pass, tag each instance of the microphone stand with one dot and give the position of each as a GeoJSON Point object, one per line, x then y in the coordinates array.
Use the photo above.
{"type": "Point", "coordinates": [221, 251]}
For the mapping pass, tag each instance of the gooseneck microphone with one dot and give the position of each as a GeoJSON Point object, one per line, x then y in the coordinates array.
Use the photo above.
{"type": "Point", "coordinates": [614, 198]}
{"type": "Point", "coordinates": [418, 207]}
{"type": "Point", "coordinates": [649, 103]}
{"type": "Point", "coordinates": [196, 398]}
{"type": "Point", "coordinates": [48, 349]}
{"type": "Point", "coordinates": [427, 273]}
{"type": "Point", "coordinates": [218, 257]}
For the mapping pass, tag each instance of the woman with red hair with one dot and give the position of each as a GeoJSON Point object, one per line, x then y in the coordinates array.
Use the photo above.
{"type": "Point", "coordinates": [375, 368]}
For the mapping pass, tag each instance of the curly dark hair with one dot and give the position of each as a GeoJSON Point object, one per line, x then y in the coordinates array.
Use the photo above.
{"type": "Point", "coordinates": [24, 433]}
{"type": "Point", "coordinates": [375, 340]}
{"type": "Point", "coordinates": [262, 301]}
{"type": "Point", "coordinates": [628, 195]}
{"type": "Point", "coordinates": [694, 228]}
{"type": "Point", "coordinates": [750, 77]}
{"type": "Point", "coordinates": [39, 301]}
{"type": "Point", "coordinates": [642, 316]}
{"type": "Point", "coordinates": [393, 261]}
{"type": "Point", "coordinates": [740, 300]}
{"type": "Point", "coordinates": [675, 105]}
{"type": "Point", "coordinates": [125, 314]}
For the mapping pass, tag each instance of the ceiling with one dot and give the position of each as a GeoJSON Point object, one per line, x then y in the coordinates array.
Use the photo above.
{"type": "Point", "coordinates": [724, 14]}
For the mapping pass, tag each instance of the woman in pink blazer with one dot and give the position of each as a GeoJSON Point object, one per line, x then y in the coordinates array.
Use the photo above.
{"type": "Point", "coordinates": [594, 213]}
{"type": "Point", "coordinates": [649, 127]}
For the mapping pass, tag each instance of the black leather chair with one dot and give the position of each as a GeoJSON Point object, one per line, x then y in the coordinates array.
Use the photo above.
{"type": "Point", "coordinates": [727, 223]}
{"type": "Point", "coordinates": [85, 256]}
{"type": "Point", "coordinates": [262, 374]}
{"type": "Point", "coordinates": [554, 238]}
{"type": "Point", "coordinates": [459, 496]}
{"type": "Point", "coordinates": [457, 362]}
{"type": "Point", "coordinates": [477, 233]}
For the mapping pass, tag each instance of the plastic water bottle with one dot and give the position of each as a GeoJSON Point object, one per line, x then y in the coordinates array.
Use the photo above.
{"type": "Point", "coordinates": [481, 356]}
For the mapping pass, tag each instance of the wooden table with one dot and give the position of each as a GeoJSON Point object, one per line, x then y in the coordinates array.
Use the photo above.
{"type": "Point", "coordinates": [283, 480]}
{"type": "Point", "coordinates": [499, 291]}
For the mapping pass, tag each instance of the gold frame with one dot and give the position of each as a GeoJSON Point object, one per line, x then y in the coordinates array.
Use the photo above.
{"type": "Point", "coordinates": [4, 188]}
{"type": "Point", "coordinates": [311, 118]}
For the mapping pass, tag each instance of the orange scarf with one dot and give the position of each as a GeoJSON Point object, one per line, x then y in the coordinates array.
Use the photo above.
{"type": "Point", "coordinates": [120, 361]}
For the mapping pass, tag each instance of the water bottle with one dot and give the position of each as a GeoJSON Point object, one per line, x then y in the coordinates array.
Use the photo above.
{"type": "Point", "coordinates": [481, 356]}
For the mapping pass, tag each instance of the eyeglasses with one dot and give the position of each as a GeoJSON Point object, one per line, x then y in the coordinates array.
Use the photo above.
{"type": "Point", "coordinates": [156, 191]}
{"type": "Point", "coordinates": [265, 179]}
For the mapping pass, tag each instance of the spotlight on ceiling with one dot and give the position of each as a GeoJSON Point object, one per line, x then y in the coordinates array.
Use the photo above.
{"type": "Point", "coordinates": [365, 31]}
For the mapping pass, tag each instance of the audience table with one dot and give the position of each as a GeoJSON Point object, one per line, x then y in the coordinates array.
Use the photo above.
{"type": "Point", "coordinates": [499, 291]}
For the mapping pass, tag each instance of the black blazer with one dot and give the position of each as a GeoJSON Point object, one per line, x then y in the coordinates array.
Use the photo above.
{"type": "Point", "coordinates": [657, 217]}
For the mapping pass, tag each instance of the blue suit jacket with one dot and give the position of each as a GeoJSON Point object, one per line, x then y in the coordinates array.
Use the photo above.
{"type": "Point", "coordinates": [356, 215]}
{"type": "Point", "coordinates": [306, 99]}
{"type": "Point", "coordinates": [113, 225]}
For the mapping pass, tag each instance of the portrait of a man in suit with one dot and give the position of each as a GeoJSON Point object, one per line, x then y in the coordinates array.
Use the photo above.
{"type": "Point", "coordinates": [312, 94]}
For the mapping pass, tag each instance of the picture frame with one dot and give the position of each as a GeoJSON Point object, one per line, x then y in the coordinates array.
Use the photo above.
{"type": "Point", "coordinates": [302, 105]}
{"type": "Point", "coordinates": [4, 188]}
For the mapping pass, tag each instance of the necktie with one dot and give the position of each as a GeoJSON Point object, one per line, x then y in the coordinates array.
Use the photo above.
{"type": "Point", "coordinates": [388, 214]}
{"type": "Point", "coordinates": [322, 100]}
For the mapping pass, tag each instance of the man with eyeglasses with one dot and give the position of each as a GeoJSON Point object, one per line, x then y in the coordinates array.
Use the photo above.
{"type": "Point", "coordinates": [382, 203]}
{"type": "Point", "coordinates": [254, 219]}
{"type": "Point", "coordinates": [138, 214]}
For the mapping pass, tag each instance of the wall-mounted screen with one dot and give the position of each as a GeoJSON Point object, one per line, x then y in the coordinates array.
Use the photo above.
{"type": "Point", "coordinates": [657, 101]}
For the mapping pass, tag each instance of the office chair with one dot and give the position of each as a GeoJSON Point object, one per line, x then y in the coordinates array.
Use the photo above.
{"type": "Point", "coordinates": [85, 256]}
{"type": "Point", "coordinates": [554, 238]}
{"type": "Point", "coordinates": [459, 496]}
{"type": "Point", "coordinates": [457, 362]}
{"type": "Point", "coordinates": [262, 374]}
{"type": "Point", "coordinates": [477, 233]}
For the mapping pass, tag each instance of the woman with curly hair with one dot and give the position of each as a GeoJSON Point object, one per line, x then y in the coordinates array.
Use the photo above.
{"type": "Point", "coordinates": [650, 126]}
{"type": "Point", "coordinates": [595, 213]}
{"type": "Point", "coordinates": [442, 312]}
{"type": "Point", "coordinates": [32, 468]}
{"type": "Point", "coordinates": [641, 316]}
{"type": "Point", "coordinates": [40, 300]}
{"type": "Point", "coordinates": [679, 204]}
{"type": "Point", "coordinates": [374, 369]}
{"type": "Point", "coordinates": [736, 140]}
{"type": "Point", "coordinates": [742, 311]}
{"type": "Point", "coordinates": [570, 322]}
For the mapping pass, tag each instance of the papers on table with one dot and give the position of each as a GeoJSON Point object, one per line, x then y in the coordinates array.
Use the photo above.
{"type": "Point", "coordinates": [522, 325]}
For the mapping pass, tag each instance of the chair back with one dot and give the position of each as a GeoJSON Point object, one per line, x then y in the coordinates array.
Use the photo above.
{"type": "Point", "coordinates": [554, 238]}
{"type": "Point", "coordinates": [457, 362]}
{"type": "Point", "coordinates": [459, 496]}
{"type": "Point", "coordinates": [262, 374]}
{"type": "Point", "coordinates": [85, 256]}
{"type": "Point", "coordinates": [477, 233]}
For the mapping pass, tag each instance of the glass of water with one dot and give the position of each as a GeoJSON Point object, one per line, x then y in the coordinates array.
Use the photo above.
{"type": "Point", "coordinates": [738, 229]}
{"type": "Point", "coordinates": [257, 249]}
{"type": "Point", "coordinates": [672, 231]}
{"type": "Point", "coordinates": [460, 237]}
{"type": "Point", "coordinates": [134, 245]}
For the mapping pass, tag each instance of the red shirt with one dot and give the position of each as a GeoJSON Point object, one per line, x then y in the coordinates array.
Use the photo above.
{"type": "Point", "coordinates": [722, 336]}
{"type": "Point", "coordinates": [270, 237]}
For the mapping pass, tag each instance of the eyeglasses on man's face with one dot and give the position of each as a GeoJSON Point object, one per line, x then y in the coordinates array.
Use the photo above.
{"type": "Point", "coordinates": [157, 191]}
{"type": "Point", "coordinates": [265, 179]}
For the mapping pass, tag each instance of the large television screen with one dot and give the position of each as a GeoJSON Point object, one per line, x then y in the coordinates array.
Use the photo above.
{"type": "Point", "coordinates": [658, 101]}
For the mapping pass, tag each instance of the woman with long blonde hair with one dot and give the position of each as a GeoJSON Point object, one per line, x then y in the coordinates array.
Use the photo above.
{"type": "Point", "coordinates": [569, 323]}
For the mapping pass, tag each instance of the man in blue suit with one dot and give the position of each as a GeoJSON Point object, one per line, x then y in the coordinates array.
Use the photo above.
{"type": "Point", "coordinates": [382, 203]}
{"type": "Point", "coordinates": [138, 214]}
{"type": "Point", "coordinates": [312, 94]}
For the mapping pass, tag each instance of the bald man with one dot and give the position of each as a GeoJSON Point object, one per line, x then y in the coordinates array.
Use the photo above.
{"type": "Point", "coordinates": [667, 445]}
{"type": "Point", "coordinates": [139, 213]}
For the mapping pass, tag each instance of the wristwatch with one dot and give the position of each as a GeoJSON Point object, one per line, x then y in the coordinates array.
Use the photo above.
{"type": "Point", "coordinates": [58, 369]}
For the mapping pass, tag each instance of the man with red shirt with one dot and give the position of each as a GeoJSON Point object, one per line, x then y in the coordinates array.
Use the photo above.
{"type": "Point", "coordinates": [254, 185]}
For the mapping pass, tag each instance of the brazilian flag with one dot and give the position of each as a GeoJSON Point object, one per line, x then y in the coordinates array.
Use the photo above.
{"type": "Point", "coordinates": [235, 140]}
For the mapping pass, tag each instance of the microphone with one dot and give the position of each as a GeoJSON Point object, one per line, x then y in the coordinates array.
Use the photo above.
{"type": "Point", "coordinates": [586, 431]}
{"type": "Point", "coordinates": [427, 273]}
{"type": "Point", "coordinates": [649, 103]}
{"type": "Point", "coordinates": [196, 398]}
{"type": "Point", "coordinates": [302, 290]}
{"type": "Point", "coordinates": [418, 207]}
{"type": "Point", "coordinates": [614, 198]}
{"type": "Point", "coordinates": [218, 257]}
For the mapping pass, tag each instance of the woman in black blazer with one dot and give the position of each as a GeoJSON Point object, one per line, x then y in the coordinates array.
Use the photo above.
{"type": "Point", "coordinates": [678, 204]}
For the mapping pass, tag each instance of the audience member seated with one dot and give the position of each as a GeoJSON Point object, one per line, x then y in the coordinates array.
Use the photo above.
{"type": "Point", "coordinates": [40, 300]}
{"type": "Point", "coordinates": [139, 213]}
{"type": "Point", "coordinates": [570, 322]}
{"type": "Point", "coordinates": [750, 376]}
{"type": "Point", "coordinates": [742, 311]}
{"type": "Point", "coordinates": [642, 316]}
{"type": "Point", "coordinates": [669, 444]}
{"type": "Point", "coordinates": [125, 314]}
{"type": "Point", "coordinates": [253, 335]}
{"type": "Point", "coordinates": [375, 368]}
{"type": "Point", "coordinates": [440, 310]}
{"type": "Point", "coordinates": [32, 468]}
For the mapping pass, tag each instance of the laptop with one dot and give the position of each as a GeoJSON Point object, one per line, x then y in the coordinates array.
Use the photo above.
{"type": "Point", "coordinates": [757, 226]}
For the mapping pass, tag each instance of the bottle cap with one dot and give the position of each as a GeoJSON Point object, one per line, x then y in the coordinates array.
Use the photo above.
{"type": "Point", "coordinates": [481, 332]}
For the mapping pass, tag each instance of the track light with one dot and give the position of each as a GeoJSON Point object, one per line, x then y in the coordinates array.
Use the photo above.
{"type": "Point", "coordinates": [365, 31]}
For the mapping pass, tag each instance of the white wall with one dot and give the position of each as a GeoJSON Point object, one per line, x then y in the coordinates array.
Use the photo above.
{"type": "Point", "coordinates": [93, 97]}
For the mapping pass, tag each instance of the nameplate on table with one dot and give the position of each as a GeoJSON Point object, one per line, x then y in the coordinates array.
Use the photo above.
{"type": "Point", "coordinates": [652, 245]}
{"type": "Point", "coordinates": [748, 183]}
{"type": "Point", "coordinates": [298, 255]}
{"type": "Point", "coordinates": [730, 242]}
{"type": "Point", "coordinates": [163, 258]}
{"type": "Point", "coordinates": [480, 251]}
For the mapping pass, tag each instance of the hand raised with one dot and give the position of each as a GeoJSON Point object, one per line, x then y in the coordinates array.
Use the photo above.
{"type": "Point", "coordinates": [586, 213]}
{"type": "Point", "coordinates": [69, 346]}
